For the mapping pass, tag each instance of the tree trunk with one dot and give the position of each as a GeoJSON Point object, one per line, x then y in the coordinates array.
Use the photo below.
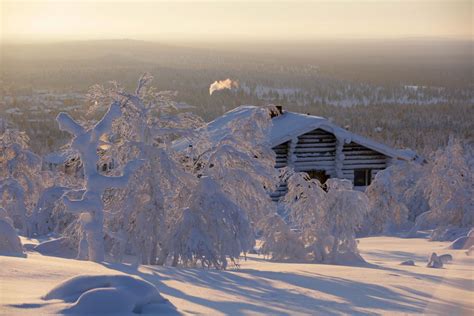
{"type": "Point", "coordinates": [95, 237]}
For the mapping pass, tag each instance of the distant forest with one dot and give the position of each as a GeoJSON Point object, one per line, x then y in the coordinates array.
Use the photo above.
{"type": "Point", "coordinates": [406, 93]}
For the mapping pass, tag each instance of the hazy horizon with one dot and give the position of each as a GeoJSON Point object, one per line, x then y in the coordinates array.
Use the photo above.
{"type": "Point", "coordinates": [234, 21]}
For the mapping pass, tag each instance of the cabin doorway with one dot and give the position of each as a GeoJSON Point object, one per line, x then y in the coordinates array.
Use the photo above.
{"type": "Point", "coordinates": [320, 175]}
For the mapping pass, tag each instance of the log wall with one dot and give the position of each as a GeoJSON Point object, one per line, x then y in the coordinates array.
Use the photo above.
{"type": "Point", "coordinates": [360, 157]}
{"type": "Point", "coordinates": [321, 150]}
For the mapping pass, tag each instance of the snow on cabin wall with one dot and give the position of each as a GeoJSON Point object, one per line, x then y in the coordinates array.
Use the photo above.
{"type": "Point", "coordinates": [321, 154]}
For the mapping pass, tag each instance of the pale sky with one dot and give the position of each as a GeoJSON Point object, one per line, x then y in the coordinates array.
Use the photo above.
{"type": "Point", "coordinates": [233, 20]}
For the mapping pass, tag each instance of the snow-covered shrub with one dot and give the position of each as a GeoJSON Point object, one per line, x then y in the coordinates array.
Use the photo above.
{"type": "Point", "coordinates": [345, 212]}
{"type": "Point", "coordinates": [450, 188]}
{"type": "Point", "coordinates": [449, 192]}
{"type": "Point", "coordinates": [44, 219]}
{"type": "Point", "coordinates": [10, 243]}
{"type": "Point", "coordinates": [437, 195]}
{"type": "Point", "coordinates": [109, 294]}
{"type": "Point", "coordinates": [13, 200]}
{"type": "Point", "coordinates": [325, 221]}
{"type": "Point", "coordinates": [280, 243]}
{"type": "Point", "coordinates": [211, 229]}
{"type": "Point", "coordinates": [391, 195]}
{"type": "Point", "coordinates": [19, 176]}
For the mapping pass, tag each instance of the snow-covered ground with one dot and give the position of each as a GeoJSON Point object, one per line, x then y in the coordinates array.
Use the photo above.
{"type": "Point", "coordinates": [261, 287]}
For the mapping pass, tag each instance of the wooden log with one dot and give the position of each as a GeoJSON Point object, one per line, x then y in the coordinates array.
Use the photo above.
{"type": "Point", "coordinates": [315, 159]}
{"type": "Point", "coordinates": [315, 145]}
{"type": "Point", "coordinates": [348, 162]}
{"type": "Point", "coordinates": [362, 166]}
{"type": "Point", "coordinates": [315, 150]}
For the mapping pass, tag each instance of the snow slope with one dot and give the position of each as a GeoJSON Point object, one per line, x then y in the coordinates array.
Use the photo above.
{"type": "Point", "coordinates": [261, 287]}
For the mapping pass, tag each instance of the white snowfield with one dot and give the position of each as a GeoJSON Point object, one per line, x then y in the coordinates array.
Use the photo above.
{"type": "Point", "coordinates": [260, 287]}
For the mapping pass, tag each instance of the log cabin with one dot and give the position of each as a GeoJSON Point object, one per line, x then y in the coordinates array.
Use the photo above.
{"type": "Point", "coordinates": [323, 150]}
{"type": "Point", "coordinates": [314, 145]}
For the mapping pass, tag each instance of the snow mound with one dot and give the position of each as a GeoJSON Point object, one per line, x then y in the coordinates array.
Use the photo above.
{"type": "Point", "coordinates": [408, 263]}
{"type": "Point", "coordinates": [59, 247]}
{"type": "Point", "coordinates": [10, 243]}
{"type": "Point", "coordinates": [464, 242]}
{"type": "Point", "coordinates": [109, 294]}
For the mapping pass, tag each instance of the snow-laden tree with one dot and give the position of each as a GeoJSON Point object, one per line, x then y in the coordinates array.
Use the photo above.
{"type": "Point", "coordinates": [388, 212]}
{"type": "Point", "coordinates": [239, 158]}
{"type": "Point", "coordinates": [144, 211]}
{"type": "Point", "coordinates": [449, 191]}
{"type": "Point", "coordinates": [90, 206]}
{"type": "Point", "coordinates": [279, 242]}
{"type": "Point", "coordinates": [436, 195]}
{"type": "Point", "coordinates": [211, 230]}
{"type": "Point", "coordinates": [238, 161]}
{"type": "Point", "coordinates": [19, 176]}
{"type": "Point", "coordinates": [306, 204]}
{"type": "Point", "coordinates": [47, 214]}
{"type": "Point", "coordinates": [345, 212]}
{"type": "Point", "coordinates": [325, 221]}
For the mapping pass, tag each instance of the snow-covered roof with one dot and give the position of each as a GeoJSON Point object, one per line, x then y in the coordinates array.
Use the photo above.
{"type": "Point", "coordinates": [289, 125]}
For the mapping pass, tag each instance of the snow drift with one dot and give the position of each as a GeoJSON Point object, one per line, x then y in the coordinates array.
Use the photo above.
{"type": "Point", "coordinates": [109, 294]}
{"type": "Point", "coordinates": [59, 247]}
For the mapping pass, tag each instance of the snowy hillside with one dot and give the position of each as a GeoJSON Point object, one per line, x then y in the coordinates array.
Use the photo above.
{"type": "Point", "coordinates": [260, 287]}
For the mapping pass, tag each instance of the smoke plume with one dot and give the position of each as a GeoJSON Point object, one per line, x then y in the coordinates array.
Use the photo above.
{"type": "Point", "coordinates": [223, 84]}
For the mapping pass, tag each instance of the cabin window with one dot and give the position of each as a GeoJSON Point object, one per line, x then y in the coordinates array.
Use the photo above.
{"type": "Point", "coordinates": [318, 174]}
{"type": "Point", "coordinates": [362, 177]}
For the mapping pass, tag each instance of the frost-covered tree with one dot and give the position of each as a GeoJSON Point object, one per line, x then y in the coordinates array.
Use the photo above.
{"type": "Point", "coordinates": [19, 176]}
{"type": "Point", "coordinates": [449, 191]}
{"type": "Point", "coordinates": [279, 242]}
{"type": "Point", "coordinates": [239, 158]}
{"type": "Point", "coordinates": [436, 195]}
{"type": "Point", "coordinates": [345, 213]}
{"type": "Point", "coordinates": [238, 161]}
{"type": "Point", "coordinates": [306, 204]}
{"type": "Point", "coordinates": [46, 216]}
{"type": "Point", "coordinates": [89, 207]}
{"type": "Point", "coordinates": [388, 212]}
{"type": "Point", "coordinates": [211, 230]}
{"type": "Point", "coordinates": [144, 211]}
{"type": "Point", "coordinates": [325, 221]}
